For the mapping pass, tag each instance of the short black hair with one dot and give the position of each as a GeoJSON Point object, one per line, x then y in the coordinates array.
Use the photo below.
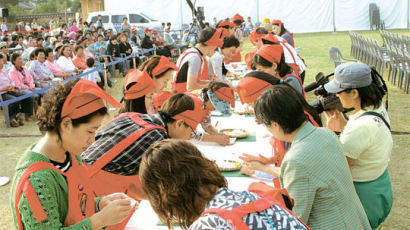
{"type": "Point", "coordinates": [39, 39]}
{"type": "Point", "coordinates": [369, 96]}
{"type": "Point", "coordinates": [281, 104]}
{"type": "Point", "coordinates": [39, 50]}
{"type": "Point", "coordinates": [168, 23]}
{"type": "Point", "coordinates": [205, 35]}
{"type": "Point", "coordinates": [14, 38]}
{"type": "Point", "coordinates": [90, 62]}
{"type": "Point", "coordinates": [261, 30]}
{"type": "Point", "coordinates": [282, 68]}
{"type": "Point", "coordinates": [113, 37]}
{"type": "Point", "coordinates": [14, 57]}
{"type": "Point", "coordinates": [230, 41]}
{"type": "Point", "coordinates": [47, 51]}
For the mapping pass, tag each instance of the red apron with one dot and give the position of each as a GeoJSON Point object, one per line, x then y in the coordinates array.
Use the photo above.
{"type": "Point", "coordinates": [237, 57]}
{"type": "Point", "coordinates": [103, 182]}
{"type": "Point", "coordinates": [81, 202]}
{"type": "Point", "coordinates": [202, 75]}
{"type": "Point", "coordinates": [269, 196]}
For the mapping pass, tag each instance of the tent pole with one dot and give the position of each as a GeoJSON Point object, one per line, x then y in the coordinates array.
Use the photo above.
{"type": "Point", "coordinates": [408, 16]}
{"type": "Point", "coordinates": [181, 14]}
{"type": "Point", "coordinates": [257, 10]}
{"type": "Point", "coordinates": [334, 16]}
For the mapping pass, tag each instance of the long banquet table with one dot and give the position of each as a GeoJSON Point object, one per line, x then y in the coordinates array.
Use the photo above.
{"type": "Point", "coordinates": [145, 218]}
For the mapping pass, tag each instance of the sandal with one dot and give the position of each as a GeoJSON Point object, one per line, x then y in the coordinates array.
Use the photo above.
{"type": "Point", "coordinates": [14, 123]}
{"type": "Point", "coordinates": [20, 118]}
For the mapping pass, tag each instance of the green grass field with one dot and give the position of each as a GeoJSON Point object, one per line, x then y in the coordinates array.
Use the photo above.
{"type": "Point", "coordinates": [315, 53]}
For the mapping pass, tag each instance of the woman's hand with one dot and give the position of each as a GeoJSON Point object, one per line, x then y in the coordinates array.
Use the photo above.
{"type": "Point", "coordinates": [247, 171]}
{"type": "Point", "coordinates": [114, 212]}
{"type": "Point", "coordinates": [222, 139]}
{"type": "Point", "coordinates": [335, 120]}
{"type": "Point", "coordinates": [250, 158]}
{"type": "Point", "coordinates": [107, 199]}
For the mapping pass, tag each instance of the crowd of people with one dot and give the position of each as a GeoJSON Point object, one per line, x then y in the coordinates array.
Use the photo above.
{"type": "Point", "coordinates": [83, 176]}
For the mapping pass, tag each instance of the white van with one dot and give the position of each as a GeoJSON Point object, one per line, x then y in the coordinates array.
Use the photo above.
{"type": "Point", "coordinates": [113, 20]}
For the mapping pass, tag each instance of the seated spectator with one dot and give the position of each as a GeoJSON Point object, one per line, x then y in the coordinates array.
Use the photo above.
{"type": "Point", "coordinates": [32, 57]}
{"type": "Point", "coordinates": [100, 45]}
{"type": "Point", "coordinates": [113, 50]}
{"type": "Point", "coordinates": [156, 39]}
{"type": "Point", "coordinates": [93, 76]}
{"type": "Point", "coordinates": [3, 49]}
{"type": "Point", "coordinates": [14, 41]}
{"type": "Point", "coordinates": [47, 42]}
{"type": "Point", "coordinates": [17, 109]}
{"type": "Point", "coordinates": [314, 170]}
{"type": "Point", "coordinates": [20, 75]}
{"type": "Point", "coordinates": [80, 59]}
{"type": "Point", "coordinates": [168, 38]}
{"type": "Point", "coordinates": [38, 69]}
{"type": "Point", "coordinates": [40, 42]}
{"type": "Point", "coordinates": [125, 48]}
{"type": "Point", "coordinates": [7, 65]}
{"type": "Point", "coordinates": [53, 66]}
{"type": "Point", "coordinates": [135, 38]}
{"type": "Point", "coordinates": [147, 42]}
{"type": "Point", "coordinates": [65, 61]}
{"type": "Point", "coordinates": [73, 27]}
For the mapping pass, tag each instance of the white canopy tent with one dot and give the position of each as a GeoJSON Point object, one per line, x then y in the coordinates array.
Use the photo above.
{"type": "Point", "coordinates": [299, 16]}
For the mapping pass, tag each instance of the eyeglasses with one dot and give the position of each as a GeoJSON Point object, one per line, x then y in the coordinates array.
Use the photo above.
{"type": "Point", "coordinates": [192, 129]}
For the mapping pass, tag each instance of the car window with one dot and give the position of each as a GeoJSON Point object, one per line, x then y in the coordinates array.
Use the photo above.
{"type": "Point", "coordinates": [146, 16]}
{"type": "Point", "coordinates": [117, 18]}
{"type": "Point", "coordinates": [136, 18]}
{"type": "Point", "coordinates": [105, 19]}
{"type": "Point", "coordinates": [94, 19]}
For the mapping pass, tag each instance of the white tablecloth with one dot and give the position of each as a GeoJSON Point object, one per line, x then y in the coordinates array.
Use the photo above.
{"type": "Point", "coordinates": [145, 218]}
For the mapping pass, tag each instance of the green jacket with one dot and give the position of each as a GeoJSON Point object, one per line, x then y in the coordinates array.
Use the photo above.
{"type": "Point", "coordinates": [52, 190]}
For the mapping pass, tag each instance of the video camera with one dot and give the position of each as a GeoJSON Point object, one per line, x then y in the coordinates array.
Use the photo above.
{"type": "Point", "coordinates": [326, 101]}
{"type": "Point", "coordinates": [329, 101]}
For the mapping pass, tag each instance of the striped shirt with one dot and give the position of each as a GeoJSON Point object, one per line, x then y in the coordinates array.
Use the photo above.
{"type": "Point", "coordinates": [127, 162]}
{"type": "Point", "coordinates": [317, 177]}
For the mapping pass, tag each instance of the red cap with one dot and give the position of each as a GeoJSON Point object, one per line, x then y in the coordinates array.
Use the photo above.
{"type": "Point", "coordinates": [133, 29]}
{"type": "Point", "coordinates": [270, 37]}
{"type": "Point", "coordinates": [271, 53]}
{"type": "Point", "coordinates": [159, 98]}
{"type": "Point", "coordinates": [137, 84]}
{"type": "Point", "coordinates": [254, 36]}
{"type": "Point", "coordinates": [192, 117]}
{"type": "Point", "coordinates": [223, 23]}
{"type": "Point", "coordinates": [216, 40]}
{"type": "Point", "coordinates": [226, 94]}
{"type": "Point", "coordinates": [277, 22]}
{"type": "Point", "coordinates": [249, 89]}
{"type": "Point", "coordinates": [85, 98]}
{"type": "Point", "coordinates": [237, 17]}
{"type": "Point", "coordinates": [146, 29]}
{"type": "Point", "coordinates": [163, 65]}
{"type": "Point", "coordinates": [154, 31]}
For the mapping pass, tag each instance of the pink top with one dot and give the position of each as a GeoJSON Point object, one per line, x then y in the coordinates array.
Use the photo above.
{"type": "Point", "coordinates": [54, 67]}
{"type": "Point", "coordinates": [73, 29]}
{"type": "Point", "coordinates": [24, 82]}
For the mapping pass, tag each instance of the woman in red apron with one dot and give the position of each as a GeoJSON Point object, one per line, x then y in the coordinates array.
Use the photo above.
{"type": "Point", "coordinates": [237, 21]}
{"type": "Point", "coordinates": [270, 59]}
{"type": "Point", "coordinates": [192, 65]}
{"type": "Point", "coordinates": [279, 29]}
{"type": "Point", "coordinates": [192, 192]}
{"type": "Point", "coordinates": [113, 159]}
{"type": "Point", "coordinates": [50, 188]}
{"type": "Point", "coordinates": [140, 84]}
{"type": "Point", "coordinates": [249, 89]}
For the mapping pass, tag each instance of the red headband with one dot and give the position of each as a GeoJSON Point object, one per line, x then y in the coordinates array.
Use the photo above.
{"type": "Point", "coordinates": [192, 117]}
{"type": "Point", "coordinates": [215, 40]}
{"type": "Point", "coordinates": [254, 36]}
{"type": "Point", "coordinates": [159, 98]}
{"type": "Point", "coordinates": [271, 53]}
{"type": "Point", "coordinates": [248, 58]}
{"type": "Point", "coordinates": [163, 65]}
{"type": "Point", "coordinates": [85, 98]}
{"type": "Point", "coordinates": [142, 84]}
{"type": "Point", "coordinates": [277, 22]}
{"type": "Point", "coordinates": [237, 17]}
{"type": "Point", "coordinates": [249, 89]}
{"type": "Point", "coordinates": [223, 23]}
{"type": "Point", "coordinates": [270, 37]}
{"type": "Point", "coordinates": [226, 94]}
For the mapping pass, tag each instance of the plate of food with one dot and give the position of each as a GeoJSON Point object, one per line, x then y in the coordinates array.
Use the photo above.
{"type": "Point", "coordinates": [235, 133]}
{"type": "Point", "coordinates": [228, 165]}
